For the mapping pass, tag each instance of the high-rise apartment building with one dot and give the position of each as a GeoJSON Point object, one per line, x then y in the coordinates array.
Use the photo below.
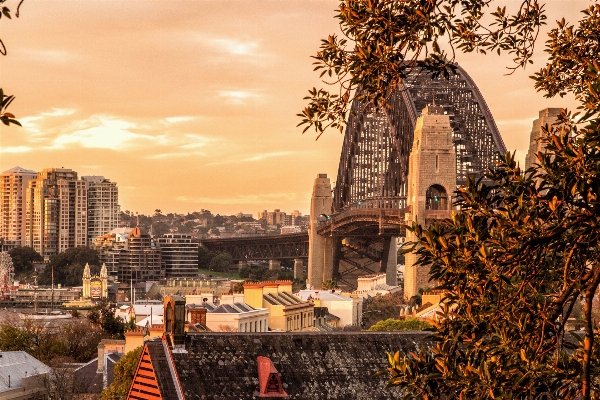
{"type": "Point", "coordinates": [109, 247]}
{"type": "Point", "coordinates": [276, 217]}
{"type": "Point", "coordinates": [140, 261]}
{"type": "Point", "coordinates": [13, 190]}
{"type": "Point", "coordinates": [56, 208]}
{"type": "Point", "coordinates": [179, 255]}
{"type": "Point", "coordinates": [102, 206]}
{"type": "Point", "coordinates": [52, 210]}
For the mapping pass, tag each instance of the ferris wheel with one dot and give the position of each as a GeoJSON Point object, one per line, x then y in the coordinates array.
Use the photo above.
{"type": "Point", "coordinates": [6, 271]}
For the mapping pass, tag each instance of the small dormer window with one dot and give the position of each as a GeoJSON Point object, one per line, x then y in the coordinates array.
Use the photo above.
{"type": "Point", "coordinates": [272, 384]}
{"type": "Point", "coordinates": [269, 382]}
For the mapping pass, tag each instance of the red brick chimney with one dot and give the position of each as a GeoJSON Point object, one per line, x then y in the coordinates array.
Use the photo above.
{"type": "Point", "coordinates": [198, 316]}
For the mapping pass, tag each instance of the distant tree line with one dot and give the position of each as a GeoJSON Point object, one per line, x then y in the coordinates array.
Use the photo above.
{"type": "Point", "coordinates": [218, 261]}
{"type": "Point", "coordinates": [75, 341]}
{"type": "Point", "coordinates": [67, 266]}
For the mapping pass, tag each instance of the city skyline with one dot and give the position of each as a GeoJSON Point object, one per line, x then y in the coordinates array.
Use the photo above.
{"type": "Point", "coordinates": [191, 105]}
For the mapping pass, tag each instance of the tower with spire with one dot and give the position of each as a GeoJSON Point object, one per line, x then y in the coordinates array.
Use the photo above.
{"type": "Point", "coordinates": [87, 278]}
{"type": "Point", "coordinates": [104, 279]}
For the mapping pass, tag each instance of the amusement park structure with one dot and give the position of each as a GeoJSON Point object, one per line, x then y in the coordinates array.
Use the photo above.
{"type": "Point", "coordinates": [6, 274]}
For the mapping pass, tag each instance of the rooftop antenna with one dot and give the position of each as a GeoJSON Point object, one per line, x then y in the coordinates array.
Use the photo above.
{"type": "Point", "coordinates": [131, 287]}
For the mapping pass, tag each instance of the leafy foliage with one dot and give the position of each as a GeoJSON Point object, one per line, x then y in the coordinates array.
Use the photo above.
{"type": "Point", "coordinates": [220, 262]}
{"type": "Point", "coordinates": [213, 260]}
{"type": "Point", "coordinates": [261, 273]}
{"type": "Point", "coordinates": [329, 284]}
{"type": "Point", "coordinates": [102, 315]}
{"type": "Point", "coordinates": [382, 307]}
{"type": "Point", "coordinates": [385, 40]}
{"type": "Point", "coordinates": [520, 255]}
{"type": "Point", "coordinates": [524, 249]}
{"type": "Point", "coordinates": [392, 324]}
{"type": "Point", "coordinates": [5, 117]}
{"type": "Point", "coordinates": [23, 259]}
{"type": "Point", "coordinates": [124, 373]}
{"type": "Point", "coordinates": [204, 257]}
{"type": "Point", "coordinates": [514, 263]}
{"type": "Point", "coordinates": [76, 342]}
{"type": "Point", "coordinates": [69, 265]}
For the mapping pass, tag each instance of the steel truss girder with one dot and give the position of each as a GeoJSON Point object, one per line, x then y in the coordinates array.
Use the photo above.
{"type": "Point", "coordinates": [374, 158]}
{"type": "Point", "coordinates": [355, 259]}
{"type": "Point", "coordinates": [277, 247]}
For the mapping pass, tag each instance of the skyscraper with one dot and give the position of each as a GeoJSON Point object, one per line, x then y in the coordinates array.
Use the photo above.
{"type": "Point", "coordinates": [102, 206]}
{"type": "Point", "coordinates": [13, 189]}
{"type": "Point", "coordinates": [55, 211]}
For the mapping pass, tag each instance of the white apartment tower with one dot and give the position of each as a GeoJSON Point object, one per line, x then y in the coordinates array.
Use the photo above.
{"type": "Point", "coordinates": [13, 190]}
{"type": "Point", "coordinates": [102, 206]}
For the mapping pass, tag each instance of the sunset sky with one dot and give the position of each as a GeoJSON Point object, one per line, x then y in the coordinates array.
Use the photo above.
{"type": "Point", "coordinates": [192, 104]}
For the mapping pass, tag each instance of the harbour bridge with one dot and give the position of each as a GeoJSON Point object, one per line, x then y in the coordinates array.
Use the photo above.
{"type": "Point", "coordinates": [366, 213]}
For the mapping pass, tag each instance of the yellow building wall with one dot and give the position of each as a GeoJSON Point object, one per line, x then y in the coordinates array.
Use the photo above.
{"type": "Point", "coordinates": [253, 295]}
{"type": "Point", "coordinates": [133, 340]}
{"type": "Point", "coordinates": [276, 316]}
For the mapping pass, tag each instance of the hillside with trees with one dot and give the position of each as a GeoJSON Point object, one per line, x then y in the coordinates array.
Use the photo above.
{"type": "Point", "coordinates": [201, 224]}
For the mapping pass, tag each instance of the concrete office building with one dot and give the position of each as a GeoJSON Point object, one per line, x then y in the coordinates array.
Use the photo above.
{"type": "Point", "coordinates": [13, 192]}
{"type": "Point", "coordinates": [109, 247]}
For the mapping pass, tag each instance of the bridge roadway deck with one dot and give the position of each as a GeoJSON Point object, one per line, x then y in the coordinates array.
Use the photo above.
{"type": "Point", "coordinates": [356, 222]}
{"type": "Point", "coordinates": [364, 222]}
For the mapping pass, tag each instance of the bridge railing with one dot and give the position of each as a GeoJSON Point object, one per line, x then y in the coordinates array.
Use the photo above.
{"type": "Point", "coordinates": [377, 203]}
{"type": "Point", "coordinates": [369, 213]}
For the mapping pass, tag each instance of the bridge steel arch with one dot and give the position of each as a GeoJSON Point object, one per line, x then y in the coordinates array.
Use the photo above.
{"type": "Point", "coordinates": [373, 169]}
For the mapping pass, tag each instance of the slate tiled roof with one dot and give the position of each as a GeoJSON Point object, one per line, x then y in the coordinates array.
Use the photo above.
{"type": "Point", "coordinates": [330, 317]}
{"type": "Point", "coordinates": [336, 365]}
{"type": "Point", "coordinates": [160, 363]}
{"type": "Point", "coordinates": [235, 308]}
{"type": "Point", "coordinates": [281, 298]}
{"type": "Point", "coordinates": [87, 379]}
